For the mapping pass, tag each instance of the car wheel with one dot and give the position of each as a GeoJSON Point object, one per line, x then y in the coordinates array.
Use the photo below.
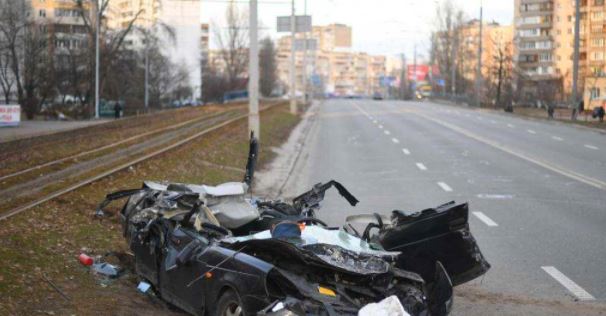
{"type": "Point", "coordinates": [229, 305]}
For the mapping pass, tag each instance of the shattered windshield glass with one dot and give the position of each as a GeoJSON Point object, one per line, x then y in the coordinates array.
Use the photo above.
{"type": "Point", "coordinates": [315, 235]}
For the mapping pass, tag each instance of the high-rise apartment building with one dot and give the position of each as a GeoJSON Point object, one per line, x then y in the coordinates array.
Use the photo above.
{"type": "Point", "coordinates": [544, 37]}
{"type": "Point", "coordinates": [495, 38]}
{"type": "Point", "coordinates": [333, 65]}
{"type": "Point", "coordinates": [64, 20]}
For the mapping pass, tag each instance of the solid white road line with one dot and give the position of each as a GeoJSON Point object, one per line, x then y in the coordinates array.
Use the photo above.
{"type": "Point", "coordinates": [406, 151]}
{"type": "Point", "coordinates": [591, 147]}
{"type": "Point", "coordinates": [445, 187]}
{"type": "Point", "coordinates": [531, 131]}
{"type": "Point", "coordinates": [489, 222]}
{"type": "Point", "coordinates": [559, 139]}
{"type": "Point", "coordinates": [575, 289]}
{"type": "Point", "coordinates": [421, 166]}
{"type": "Point", "coordinates": [511, 126]}
{"type": "Point", "coordinates": [386, 132]}
{"type": "Point", "coordinates": [395, 140]}
{"type": "Point", "coordinates": [545, 164]}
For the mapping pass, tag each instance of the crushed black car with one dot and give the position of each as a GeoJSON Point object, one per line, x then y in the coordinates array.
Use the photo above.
{"type": "Point", "coordinates": [216, 250]}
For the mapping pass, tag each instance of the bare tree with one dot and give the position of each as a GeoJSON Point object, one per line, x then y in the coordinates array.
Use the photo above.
{"type": "Point", "coordinates": [110, 45]}
{"type": "Point", "coordinates": [7, 80]}
{"type": "Point", "coordinates": [14, 21]}
{"type": "Point", "coordinates": [446, 41]}
{"type": "Point", "coordinates": [501, 71]}
{"type": "Point", "coordinates": [267, 60]}
{"type": "Point", "coordinates": [233, 44]}
{"type": "Point", "coordinates": [37, 70]}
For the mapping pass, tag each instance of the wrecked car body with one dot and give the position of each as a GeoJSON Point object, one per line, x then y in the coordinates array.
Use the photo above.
{"type": "Point", "coordinates": [215, 250]}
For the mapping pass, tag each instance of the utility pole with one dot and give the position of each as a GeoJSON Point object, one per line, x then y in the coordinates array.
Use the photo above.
{"type": "Point", "coordinates": [98, 27]}
{"type": "Point", "coordinates": [253, 76]}
{"type": "Point", "coordinates": [293, 75]}
{"type": "Point", "coordinates": [453, 63]}
{"type": "Point", "coordinates": [305, 59]}
{"type": "Point", "coordinates": [146, 80]}
{"type": "Point", "coordinates": [479, 70]}
{"type": "Point", "coordinates": [575, 67]}
{"type": "Point", "coordinates": [414, 66]}
{"type": "Point", "coordinates": [403, 78]}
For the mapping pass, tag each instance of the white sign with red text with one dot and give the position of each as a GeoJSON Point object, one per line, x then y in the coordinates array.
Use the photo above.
{"type": "Point", "coordinates": [10, 115]}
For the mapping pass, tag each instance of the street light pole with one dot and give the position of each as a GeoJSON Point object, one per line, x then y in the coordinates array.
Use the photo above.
{"type": "Point", "coordinates": [479, 70]}
{"type": "Point", "coordinates": [575, 67]}
{"type": "Point", "coordinates": [253, 76]}
{"type": "Point", "coordinates": [146, 81]}
{"type": "Point", "coordinates": [98, 27]}
{"type": "Point", "coordinates": [293, 76]}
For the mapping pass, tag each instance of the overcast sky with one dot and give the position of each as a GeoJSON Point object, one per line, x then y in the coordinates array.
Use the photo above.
{"type": "Point", "coordinates": [386, 27]}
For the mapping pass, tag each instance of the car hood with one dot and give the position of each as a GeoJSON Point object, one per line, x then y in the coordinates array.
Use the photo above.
{"type": "Point", "coordinates": [325, 247]}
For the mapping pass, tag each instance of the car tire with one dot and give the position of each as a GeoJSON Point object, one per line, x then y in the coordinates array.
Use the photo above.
{"type": "Point", "coordinates": [229, 304]}
{"type": "Point", "coordinates": [412, 298]}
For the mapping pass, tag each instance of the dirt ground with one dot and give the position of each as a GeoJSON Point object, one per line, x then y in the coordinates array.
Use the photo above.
{"type": "Point", "coordinates": [44, 242]}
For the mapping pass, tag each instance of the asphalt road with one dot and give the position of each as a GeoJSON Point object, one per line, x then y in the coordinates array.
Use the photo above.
{"type": "Point", "coordinates": [540, 186]}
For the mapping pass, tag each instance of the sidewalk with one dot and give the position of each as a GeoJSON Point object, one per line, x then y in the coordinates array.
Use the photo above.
{"type": "Point", "coordinates": [37, 128]}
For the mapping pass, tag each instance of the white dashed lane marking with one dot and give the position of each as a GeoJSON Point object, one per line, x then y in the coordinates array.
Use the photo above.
{"type": "Point", "coordinates": [559, 139]}
{"type": "Point", "coordinates": [381, 126]}
{"type": "Point", "coordinates": [375, 121]}
{"type": "Point", "coordinates": [591, 147]}
{"type": "Point", "coordinates": [445, 187]}
{"type": "Point", "coordinates": [489, 222]}
{"type": "Point", "coordinates": [395, 140]}
{"type": "Point", "coordinates": [574, 288]}
{"type": "Point", "coordinates": [421, 166]}
{"type": "Point", "coordinates": [493, 121]}
{"type": "Point", "coordinates": [387, 132]}
{"type": "Point", "coordinates": [511, 126]}
{"type": "Point", "coordinates": [531, 131]}
{"type": "Point", "coordinates": [406, 151]}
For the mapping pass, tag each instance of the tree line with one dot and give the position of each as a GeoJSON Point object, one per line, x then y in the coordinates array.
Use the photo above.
{"type": "Point", "coordinates": [47, 65]}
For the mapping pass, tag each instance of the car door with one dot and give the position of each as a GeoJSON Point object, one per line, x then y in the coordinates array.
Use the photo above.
{"type": "Point", "coordinates": [180, 279]}
{"type": "Point", "coordinates": [437, 234]}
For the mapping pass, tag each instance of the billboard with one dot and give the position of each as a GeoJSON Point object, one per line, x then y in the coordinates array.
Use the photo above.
{"type": "Point", "coordinates": [10, 115]}
{"type": "Point", "coordinates": [422, 71]}
{"type": "Point", "coordinates": [302, 23]}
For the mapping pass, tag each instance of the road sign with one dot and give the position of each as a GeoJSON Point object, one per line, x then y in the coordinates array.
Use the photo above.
{"type": "Point", "coordinates": [302, 23]}
{"type": "Point", "coordinates": [312, 44]}
{"type": "Point", "coordinates": [387, 81]}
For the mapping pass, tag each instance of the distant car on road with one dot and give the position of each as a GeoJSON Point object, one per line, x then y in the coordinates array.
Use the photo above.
{"type": "Point", "coordinates": [377, 96]}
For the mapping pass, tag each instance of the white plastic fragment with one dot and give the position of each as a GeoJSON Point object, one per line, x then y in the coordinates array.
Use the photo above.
{"type": "Point", "coordinates": [143, 287]}
{"type": "Point", "coordinates": [279, 306]}
{"type": "Point", "coordinates": [389, 306]}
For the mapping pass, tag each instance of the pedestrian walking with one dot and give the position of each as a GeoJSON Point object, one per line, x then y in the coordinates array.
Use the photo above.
{"type": "Point", "coordinates": [550, 111]}
{"type": "Point", "coordinates": [117, 110]}
{"type": "Point", "coordinates": [601, 113]}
